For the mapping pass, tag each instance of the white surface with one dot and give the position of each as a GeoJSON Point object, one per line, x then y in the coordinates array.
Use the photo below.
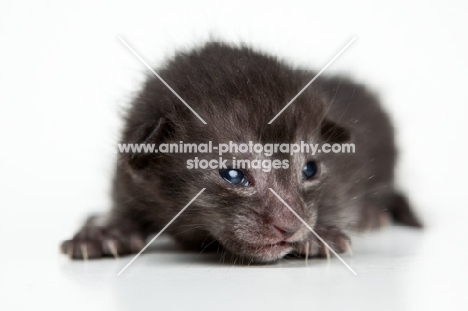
{"type": "Point", "coordinates": [398, 269]}
{"type": "Point", "coordinates": [65, 77]}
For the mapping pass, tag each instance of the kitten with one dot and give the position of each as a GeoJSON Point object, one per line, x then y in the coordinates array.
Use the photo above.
{"type": "Point", "coordinates": [238, 91]}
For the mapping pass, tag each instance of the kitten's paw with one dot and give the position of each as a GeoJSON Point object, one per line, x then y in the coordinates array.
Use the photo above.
{"type": "Point", "coordinates": [334, 238]}
{"type": "Point", "coordinates": [96, 241]}
{"type": "Point", "coordinates": [372, 218]}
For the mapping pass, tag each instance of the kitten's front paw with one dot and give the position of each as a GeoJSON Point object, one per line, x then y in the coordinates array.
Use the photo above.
{"type": "Point", "coordinates": [99, 241]}
{"type": "Point", "coordinates": [333, 236]}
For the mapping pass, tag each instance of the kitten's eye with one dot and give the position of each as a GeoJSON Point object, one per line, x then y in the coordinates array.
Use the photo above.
{"type": "Point", "coordinates": [309, 170]}
{"type": "Point", "coordinates": [235, 177]}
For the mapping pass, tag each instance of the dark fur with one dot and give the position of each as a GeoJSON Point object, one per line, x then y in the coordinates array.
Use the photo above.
{"type": "Point", "coordinates": [237, 91]}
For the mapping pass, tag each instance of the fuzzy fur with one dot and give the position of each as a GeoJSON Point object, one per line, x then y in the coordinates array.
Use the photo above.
{"type": "Point", "coordinates": [237, 91]}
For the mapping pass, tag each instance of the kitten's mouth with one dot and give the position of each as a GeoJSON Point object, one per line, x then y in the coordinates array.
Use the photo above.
{"type": "Point", "coordinates": [270, 252]}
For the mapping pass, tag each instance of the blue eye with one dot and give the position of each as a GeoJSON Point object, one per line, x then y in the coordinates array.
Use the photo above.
{"type": "Point", "coordinates": [309, 170]}
{"type": "Point", "coordinates": [235, 177]}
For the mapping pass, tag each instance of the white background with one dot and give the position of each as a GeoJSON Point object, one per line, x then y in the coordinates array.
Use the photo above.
{"type": "Point", "coordinates": [65, 79]}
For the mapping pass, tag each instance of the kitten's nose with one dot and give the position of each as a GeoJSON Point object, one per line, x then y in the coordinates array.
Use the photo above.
{"type": "Point", "coordinates": [286, 232]}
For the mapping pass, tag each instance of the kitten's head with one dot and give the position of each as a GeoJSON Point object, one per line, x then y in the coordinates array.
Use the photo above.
{"type": "Point", "coordinates": [237, 92]}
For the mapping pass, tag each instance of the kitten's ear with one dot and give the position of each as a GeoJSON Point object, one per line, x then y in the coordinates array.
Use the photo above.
{"type": "Point", "coordinates": [146, 136]}
{"type": "Point", "coordinates": [332, 132]}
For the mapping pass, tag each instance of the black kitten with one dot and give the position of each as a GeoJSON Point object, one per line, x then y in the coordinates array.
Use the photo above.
{"type": "Point", "coordinates": [238, 91]}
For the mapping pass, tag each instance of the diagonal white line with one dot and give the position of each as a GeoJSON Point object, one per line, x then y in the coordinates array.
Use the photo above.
{"type": "Point", "coordinates": [312, 230]}
{"type": "Point", "coordinates": [162, 230]}
{"type": "Point", "coordinates": [164, 82]}
{"type": "Point", "coordinates": [316, 76]}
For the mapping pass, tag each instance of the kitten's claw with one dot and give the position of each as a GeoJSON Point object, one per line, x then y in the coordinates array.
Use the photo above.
{"type": "Point", "coordinates": [327, 252]}
{"type": "Point", "coordinates": [349, 248]}
{"type": "Point", "coordinates": [84, 251]}
{"type": "Point", "coordinates": [67, 250]}
{"type": "Point", "coordinates": [112, 248]}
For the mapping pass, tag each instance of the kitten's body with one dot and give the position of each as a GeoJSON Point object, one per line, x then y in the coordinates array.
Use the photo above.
{"type": "Point", "coordinates": [238, 91]}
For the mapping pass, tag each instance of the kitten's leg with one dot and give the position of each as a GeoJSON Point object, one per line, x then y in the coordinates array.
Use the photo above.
{"type": "Point", "coordinates": [377, 213]}
{"type": "Point", "coordinates": [102, 236]}
{"type": "Point", "coordinates": [402, 211]}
